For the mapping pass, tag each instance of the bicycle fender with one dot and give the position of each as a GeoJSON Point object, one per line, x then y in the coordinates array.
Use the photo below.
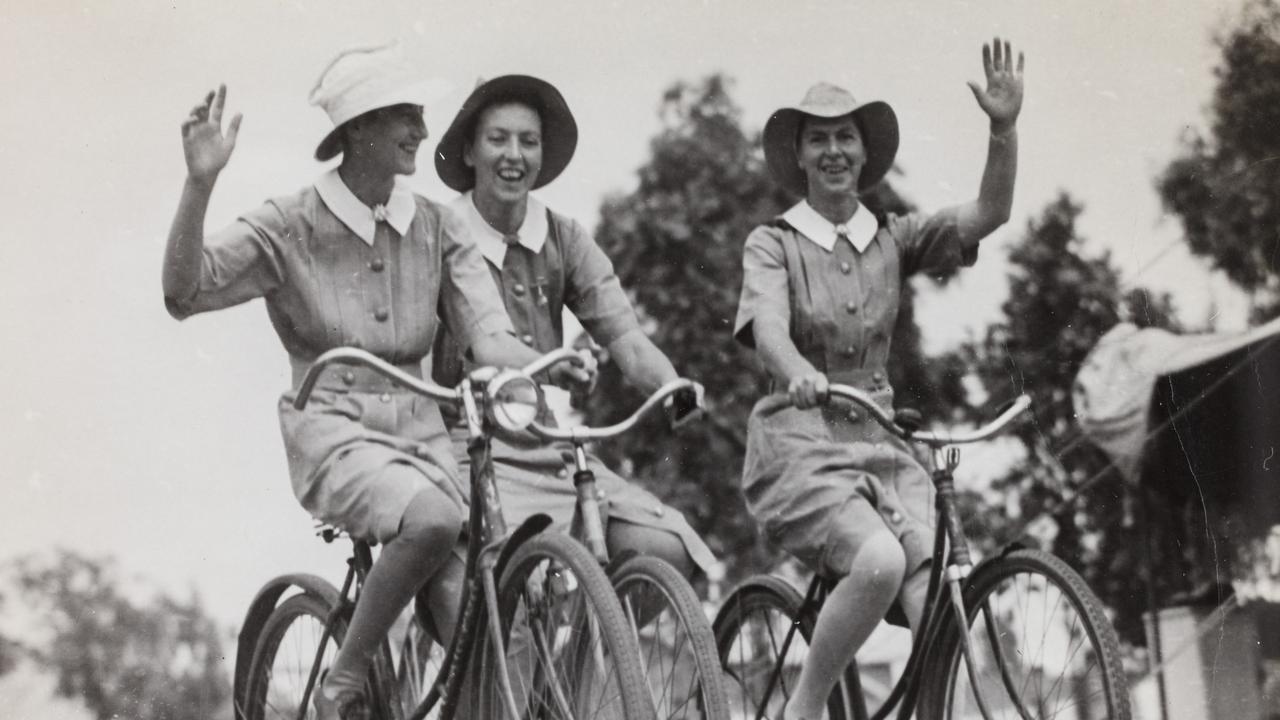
{"type": "Point", "coordinates": [261, 607]}
{"type": "Point", "coordinates": [530, 527]}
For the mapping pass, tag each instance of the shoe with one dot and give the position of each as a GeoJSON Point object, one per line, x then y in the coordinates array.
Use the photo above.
{"type": "Point", "coordinates": [348, 704]}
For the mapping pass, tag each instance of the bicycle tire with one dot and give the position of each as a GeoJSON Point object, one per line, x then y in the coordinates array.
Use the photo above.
{"type": "Point", "coordinates": [764, 608]}
{"type": "Point", "coordinates": [278, 678]}
{"type": "Point", "coordinates": [578, 658]}
{"type": "Point", "coordinates": [1041, 591]}
{"type": "Point", "coordinates": [677, 649]}
{"type": "Point", "coordinates": [420, 660]}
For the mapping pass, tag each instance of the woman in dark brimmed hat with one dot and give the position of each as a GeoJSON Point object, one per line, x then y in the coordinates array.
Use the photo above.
{"type": "Point", "coordinates": [514, 134]}
{"type": "Point", "coordinates": [355, 259]}
{"type": "Point", "coordinates": [819, 301]}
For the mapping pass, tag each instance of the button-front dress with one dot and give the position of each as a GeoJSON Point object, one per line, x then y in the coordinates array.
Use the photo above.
{"type": "Point", "coordinates": [837, 291]}
{"type": "Point", "coordinates": [550, 264]}
{"type": "Point", "coordinates": [334, 273]}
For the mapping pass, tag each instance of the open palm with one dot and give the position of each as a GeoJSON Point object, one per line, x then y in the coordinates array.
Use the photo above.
{"type": "Point", "coordinates": [1001, 100]}
{"type": "Point", "coordinates": [204, 145]}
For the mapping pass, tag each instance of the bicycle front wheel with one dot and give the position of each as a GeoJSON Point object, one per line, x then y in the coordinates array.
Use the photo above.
{"type": "Point", "coordinates": [283, 674]}
{"type": "Point", "coordinates": [568, 650]}
{"type": "Point", "coordinates": [763, 641]}
{"type": "Point", "coordinates": [677, 650]}
{"type": "Point", "coordinates": [1043, 647]}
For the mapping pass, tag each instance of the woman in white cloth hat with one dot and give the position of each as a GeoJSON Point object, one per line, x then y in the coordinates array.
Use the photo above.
{"type": "Point", "coordinates": [355, 259]}
{"type": "Point", "coordinates": [819, 301]}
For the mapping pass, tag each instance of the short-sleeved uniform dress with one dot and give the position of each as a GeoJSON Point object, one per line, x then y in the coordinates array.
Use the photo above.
{"type": "Point", "coordinates": [550, 264]}
{"type": "Point", "coordinates": [335, 274]}
{"type": "Point", "coordinates": [808, 473]}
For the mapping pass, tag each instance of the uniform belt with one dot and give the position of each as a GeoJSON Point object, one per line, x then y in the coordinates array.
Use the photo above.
{"type": "Point", "coordinates": [866, 379]}
{"type": "Point", "coordinates": [353, 378]}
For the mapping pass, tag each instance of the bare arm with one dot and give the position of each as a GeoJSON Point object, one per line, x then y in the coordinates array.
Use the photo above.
{"type": "Point", "coordinates": [641, 362]}
{"type": "Point", "coordinates": [1001, 100]}
{"type": "Point", "coordinates": [501, 349]}
{"type": "Point", "coordinates": [806, 386]}
{"type": "Point", "coordinates": [207, 151]}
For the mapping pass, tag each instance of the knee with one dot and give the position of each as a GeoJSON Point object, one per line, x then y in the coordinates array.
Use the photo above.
{"type": "Point", "coordinates": [431, 521]}
{"type": "Point", "coordinates": [650, 541]}
{"type": "Point", "coordinates": [879, 565]}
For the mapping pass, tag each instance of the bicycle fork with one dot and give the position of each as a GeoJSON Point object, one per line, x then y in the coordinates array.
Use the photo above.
{"type": "Point", "coordinates": [959, 565]}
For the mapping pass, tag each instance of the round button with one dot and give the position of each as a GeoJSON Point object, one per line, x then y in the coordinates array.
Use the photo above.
{"type": "Point", "coordinates": [895, 516]}
{"type": "Point", "coordinates": [851, 307]}
{"type": "Point", "coordinates": [424, 451]}
{"type": "Point", "coordinates": [381, 314]}
{"type": "Point", "coordinates": [877, 376]}
{"type": "Point", "coordinates": [518, 289]}
{"type": "Point", "coordinates": [527, 339]}
{"type": "Point", "coordinates": [349, 378]}
{"type": "Point", "coordinates": [600, 494]}
{"type": "Point", "coordinates": [846, 268]}
{"type": "Point", "coordinates": [658, 511]}
{"type": "Point", "coordinates": [851, 350]}
{"type": "Point", "coordinates": [377, 264]}
{"type": "Point", "coordinates": [385, 397]}
{"type": "Point", "coordinates": [563, 473]}
{"type": "Point", "coordinates": [853, 416]}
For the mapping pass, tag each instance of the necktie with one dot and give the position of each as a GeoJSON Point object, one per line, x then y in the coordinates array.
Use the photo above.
{"type": "Point", "coordinates": [511, 239]}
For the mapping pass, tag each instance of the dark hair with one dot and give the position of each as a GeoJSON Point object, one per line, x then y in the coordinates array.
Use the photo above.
{"type": "Point", "coordinates": [862, 133]}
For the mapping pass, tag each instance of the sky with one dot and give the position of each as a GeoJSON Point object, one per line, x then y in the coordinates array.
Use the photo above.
{"type": "Point", "coordinates": [155, 442]}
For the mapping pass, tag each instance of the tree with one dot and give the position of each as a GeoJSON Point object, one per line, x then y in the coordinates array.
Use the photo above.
{"type": "Point", "coordinates": [1060, 303]}
{"type": "Point", "coordinates": [155, 661]}
{"type": "Point", "coordinates": [676, 244]}
{"type": "Point", "coordinates": [1225, 188]}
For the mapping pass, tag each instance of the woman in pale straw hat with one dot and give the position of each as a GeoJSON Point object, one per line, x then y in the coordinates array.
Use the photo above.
{"type": "Point", "coordinates": [819, 301]}
{"type": "Point", "coordinates": [356, 259]}
{"type": "Point", "coordinates": [514, 134]}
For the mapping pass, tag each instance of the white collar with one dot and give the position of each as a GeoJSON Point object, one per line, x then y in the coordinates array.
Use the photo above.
{"type": "Point", "coordinates": [532, 232]}
{"type": "Point", "coordinates": [861, 228]}
{"type": "Point", "coordinates": [360, 218]}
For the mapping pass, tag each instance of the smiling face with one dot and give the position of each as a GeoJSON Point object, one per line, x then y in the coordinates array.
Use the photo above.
{"type": "Point", "coordinates": [831, 154]}
{"type": "Point", "coordinates": [506, 152]}
{"type": "Point", "coordinates": [388, 138]}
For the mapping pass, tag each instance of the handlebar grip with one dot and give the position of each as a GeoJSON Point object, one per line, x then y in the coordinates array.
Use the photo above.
{"type": "Point", "coordinates": [908, 419]}
{"type": "Point", "coordinates": [686, 406]}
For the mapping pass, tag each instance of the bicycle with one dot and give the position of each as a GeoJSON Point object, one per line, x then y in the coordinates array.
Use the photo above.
{"type": "Point", "coordinates": [1037, 643]}
{"type": "Point", "coordinates": [578, 660]}
{"type": "Point", "coordinates": [678, 649]}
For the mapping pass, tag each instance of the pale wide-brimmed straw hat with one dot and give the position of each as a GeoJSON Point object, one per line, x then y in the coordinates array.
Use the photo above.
{"type": "Point", "coordinates": [559, 130]}
{"type": "Point", "coordinates": [368, 78]}
{"type": "Point", "coordinates": [876, 121]}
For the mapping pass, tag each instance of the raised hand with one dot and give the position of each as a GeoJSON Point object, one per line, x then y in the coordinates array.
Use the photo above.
{"type": "Point", "coordinates": [204, 145]}
{"type": "Point", "coordinates": [1001, 100]}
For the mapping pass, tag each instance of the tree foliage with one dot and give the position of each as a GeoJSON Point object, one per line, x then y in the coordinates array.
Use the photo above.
{"type": "Point", "coordinates": [676, 244]}
{"type": "Point", "coordinates": [1061, 301]}
{"type": "Point", "coordinates": [1225, 187]}
{"type": "Point", "coordinates": [160, 660]}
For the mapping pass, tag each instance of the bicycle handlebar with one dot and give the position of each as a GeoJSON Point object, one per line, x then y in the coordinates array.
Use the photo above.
{"type": "Point", "coordinates": [1016, 408]}
{"type": "Point", "coordinates": [355, 356]}
{"type": "Point", "coordinates": [583, 434]}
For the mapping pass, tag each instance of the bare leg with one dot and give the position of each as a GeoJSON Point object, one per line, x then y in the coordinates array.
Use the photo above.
{"type": "Point", "coordinates": [623, 535]}
{"type": "Point", "coordinates": [428, 531]}
{"type": "Point", "coordinates": [850, 613]}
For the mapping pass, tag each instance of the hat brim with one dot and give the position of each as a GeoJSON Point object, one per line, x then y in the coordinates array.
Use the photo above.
{"type": "Point", "coordinates": [879, 127]}
{"type": "Point", "coordinates": [423, 93]}
{"type": "Point", "coordinates": [559, 129]}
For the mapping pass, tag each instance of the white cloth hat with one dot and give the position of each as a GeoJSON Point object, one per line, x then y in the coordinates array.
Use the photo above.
{"type": "Point", "coordinates": [368, 78]}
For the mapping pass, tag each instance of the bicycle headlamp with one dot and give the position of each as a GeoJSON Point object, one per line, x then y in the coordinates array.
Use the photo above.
{"type": "Point", "coordinates": [514, 400]}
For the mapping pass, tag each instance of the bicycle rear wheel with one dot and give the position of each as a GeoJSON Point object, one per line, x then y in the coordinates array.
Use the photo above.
{"type": "Point", "coordinates": [677, 649]}
{"type": "Point", "coordinates": [569, 651]}
{"type": "Point", "coordinates": [282, 678]}
{"type": "Point", "coordinates": [1042, 644]}
{"type": "Point", "coordinates": [763, 641]}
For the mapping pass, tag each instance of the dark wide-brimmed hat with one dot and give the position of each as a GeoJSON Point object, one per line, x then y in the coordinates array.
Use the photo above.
{"type": "Point", "coordinates": [559, 130]}
{"type": "Point", "coordinates": [876, 121]}
{"type": "Point", "coordinates": [368, 78]}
